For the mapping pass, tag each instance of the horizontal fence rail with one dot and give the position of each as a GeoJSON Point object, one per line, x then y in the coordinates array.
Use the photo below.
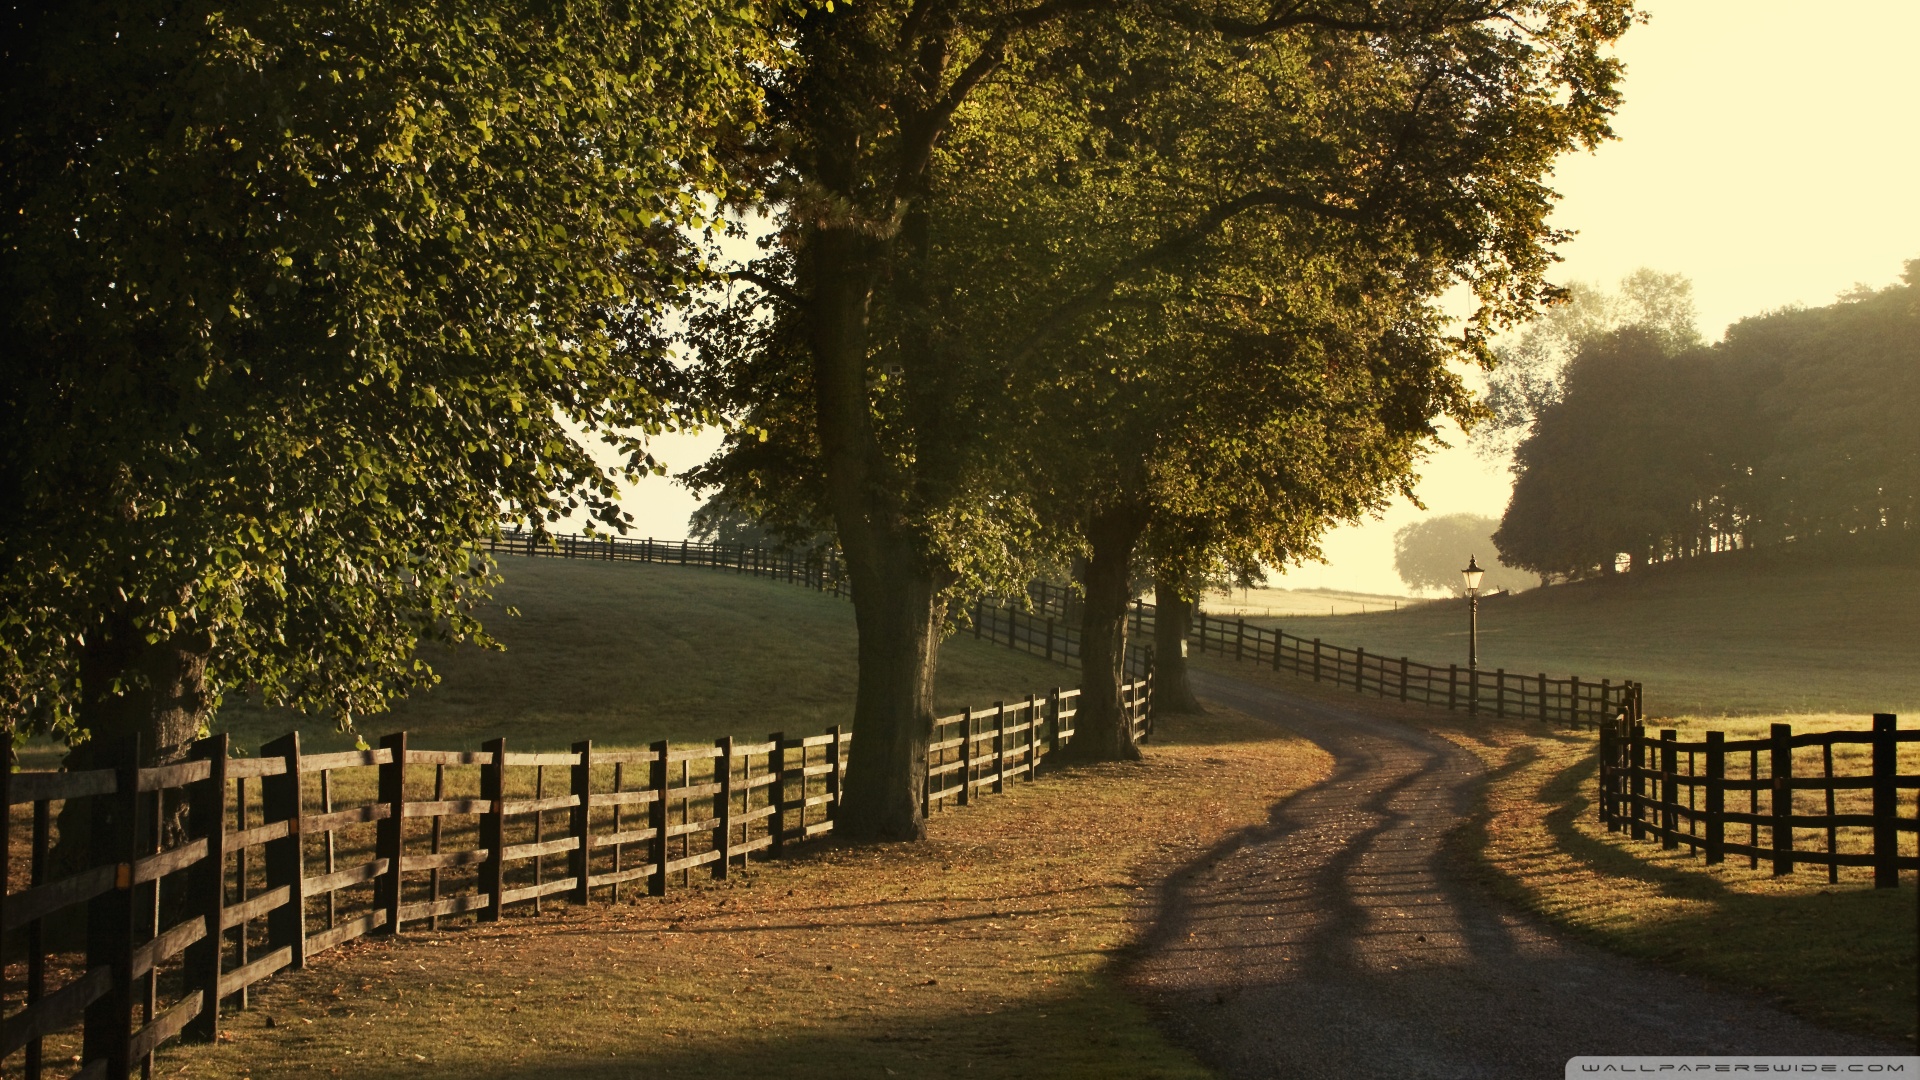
{"type": "Point", "coordinates": [1765, 798]}
{"type": "Point", "coordinates": [206, 876]}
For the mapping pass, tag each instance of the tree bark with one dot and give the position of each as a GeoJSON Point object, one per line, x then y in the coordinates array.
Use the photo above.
{"type": "Point", "coordinates": [1172, 620]}
{"type": "Point", "coordinates": [130, 687]}
{"type": "Point", "coordinates": [1102, 731]}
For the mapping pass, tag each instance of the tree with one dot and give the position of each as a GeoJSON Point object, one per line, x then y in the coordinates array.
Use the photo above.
{"type": "Point", "coordinates": [1530, 372]}
{"type": "Point", "coordinates": [1790, 430]}
{"type": "Point", "coordinates": [1628, 461]}
{"type": "Point", "coordinates": [301, 298]}
{"type": "Point", "coordinates": [1430, 553]}
{"type": "Point", "coordinates": [869, 139]}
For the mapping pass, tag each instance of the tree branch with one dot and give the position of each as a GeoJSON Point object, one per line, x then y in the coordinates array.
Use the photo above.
{"type": "Point", "coordinates": [1173, 246]}
{"type": "Point", "coordinates": [773, 286]}
{"type": "Point", "coordinates": [1368, 21]}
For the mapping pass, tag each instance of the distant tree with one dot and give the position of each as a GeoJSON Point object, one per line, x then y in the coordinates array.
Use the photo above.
{"type": "Point", "coordinates": [721, 520]}
{"type": "Point", "coordinates": [1429, 554]}
{"type": "Point", "coordinates": [1629, 461]}
{"type": "Point", "coordinates": [300, 298]}
{"type": "Point", "coordinates": [1530, 370]}
{"type": "Point", "coordinates": [1795, 428]}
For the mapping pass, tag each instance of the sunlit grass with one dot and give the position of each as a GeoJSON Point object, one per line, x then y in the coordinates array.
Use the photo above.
{"type": "Point", "coordinates": [1726, 637]}
{"type": "Point", "coordinates": [626, 653]}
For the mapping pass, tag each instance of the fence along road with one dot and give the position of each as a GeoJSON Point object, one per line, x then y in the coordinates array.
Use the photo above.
{"type": "Point", "coordinates": [1640, 784]}
{"type": "Point", "coordinates": [501, 828]}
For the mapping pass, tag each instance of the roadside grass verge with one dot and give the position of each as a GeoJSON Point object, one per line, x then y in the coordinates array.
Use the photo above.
{"type": "Point", "coordinates": [983, 952]}
{"type": "Point", "coordinates": [627, 653]}
{"type": "Point", "coordinates": [1728, 636]}
{"type": "Point", "coordinates": [1843, 955]}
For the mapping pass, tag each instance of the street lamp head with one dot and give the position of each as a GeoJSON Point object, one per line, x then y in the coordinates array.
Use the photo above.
{"type": "Point", "coordinates": [1472, 574]}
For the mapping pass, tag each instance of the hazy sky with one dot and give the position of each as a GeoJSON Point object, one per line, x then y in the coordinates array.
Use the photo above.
{"type": "Point", "coordinates": [1763, 151]}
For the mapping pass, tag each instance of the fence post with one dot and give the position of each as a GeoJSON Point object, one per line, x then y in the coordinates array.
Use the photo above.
{"type": "Point", "coordinates": [1716, 797]}
{"type": "Point", "coordinates": [115, 841]}
{"type": "Point", "coordinates": [1202, 615]}
{"type": "Point", "coordinates": [999, 746]}
{"type": "Point", "coordinates": [1886, 868]}
{"type": "Point", "coordinates": [390, 840]}
{"type": "Point", "coordinates": [966, 756]}
{"type": "Point", "coordinates": [1053, 721]}
{"type": "Point", "coordinates": [1669, 790]}
{"type": "Point", "coordinates": [1573, 701]}
{"type": "Point", "coordinates": [493, 831]}
{"type": "Point", "coordinates": [1403, 678]}
{"type": "Point", "coordinates": [208, 882]}
{"type": "Point", "coordinates": [777, 794]}
{"type": "Point", "coordinates": [723, 807]}
{"type": "Point", "coordinates": [1033, 736]}
{"type": "Point", "coordinates": [1637, 786]}
{"type": "Point", "coordinates": [1782, 806]}
{"type": "Point", "coordinates": [1360, 670]}
{"type": "Point", "coordinates": [1453, 686]}
{"type": "Point", "coordinates": [580, 821]}
{"type": "Point", "coordinates": [1543, 698]}
{"type": "Point", "coordinates": [657, 819]}
{"type": "Point", "coordinates": [1316, 659]}
{"type": "Point", "coordinates": [833, 774]}
{"type": "Point", "coordinates": [280, 801]}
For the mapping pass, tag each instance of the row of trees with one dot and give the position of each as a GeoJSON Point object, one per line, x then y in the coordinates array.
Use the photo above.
{"type": "Point", "coordinates": [1109, 285]}
{"type": "Point", "coordinates": [1797, 427]}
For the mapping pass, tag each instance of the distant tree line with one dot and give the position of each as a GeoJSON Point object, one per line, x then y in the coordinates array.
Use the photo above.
{"type": "Point", "coordinates": [1800, 426]}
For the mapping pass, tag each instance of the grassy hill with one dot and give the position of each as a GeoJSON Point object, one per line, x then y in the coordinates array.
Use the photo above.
{"type": "Point", "coordinates": [627, 653]}
{"type": "Point", "coordinates": [1739, 634]}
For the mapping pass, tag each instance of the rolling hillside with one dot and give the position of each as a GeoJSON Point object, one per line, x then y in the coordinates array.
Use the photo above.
{"type": "Point", "coordinates": [626, 653]}
{"type": "Point", "coordinates": [1732, 634]}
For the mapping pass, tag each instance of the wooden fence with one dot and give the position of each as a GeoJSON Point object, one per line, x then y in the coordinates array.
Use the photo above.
{"type": "Point", "coordinates": [210, 875]}
{"type": "Point", "coordinates": [1690, 794]}
{"type": "Point", "coordinates": [1570, 700]}
{"type": "Point", "coordinates": [817, 569]}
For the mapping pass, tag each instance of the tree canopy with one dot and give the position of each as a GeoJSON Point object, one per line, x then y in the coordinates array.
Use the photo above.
{"type": "Point", "coordinates": [1793, 429]}
{"type": "Point", "coordinates": [301, 299]}
{"type": "Point", "coordinates": [981, 205]}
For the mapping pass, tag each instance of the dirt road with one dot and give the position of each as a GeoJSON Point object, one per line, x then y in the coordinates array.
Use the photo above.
{"type": "Point", "coordinates": [1337, 941]}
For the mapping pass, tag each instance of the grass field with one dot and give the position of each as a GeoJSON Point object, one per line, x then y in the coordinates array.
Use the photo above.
{"type": "Point", "coordinates": [626, 653]}
{"type": "Point", "coordinates": [1843, 955]}
{"type": "Point", "coordinates": [982, 953]}
{"type": "Point", "coordinates": [1739, 636]}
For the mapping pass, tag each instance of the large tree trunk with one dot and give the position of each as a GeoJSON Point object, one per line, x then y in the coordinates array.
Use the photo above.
{"type": "Point", "coordinates": [130, 687]}
{"type": "Point", "coordinates": [1101, 729]}
{"type": "Point", "coordinates": [1172, 620]}
{"type": "Point", "coordinates": [895, 594]}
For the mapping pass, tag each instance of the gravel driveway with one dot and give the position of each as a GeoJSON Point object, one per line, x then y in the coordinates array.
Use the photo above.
{"type": "Point", "coordinates": [1336, 941]}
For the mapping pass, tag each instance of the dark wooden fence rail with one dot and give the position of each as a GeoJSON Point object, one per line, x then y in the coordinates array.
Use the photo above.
{"type": "Point", "coordinates": [1692, 793]}
{"type": "Point", "coordinates": [818, 569]}
{"type": "Point", "coordinates": [283, 856]}
{"type": "Point", "coordinates": [1570, 700]}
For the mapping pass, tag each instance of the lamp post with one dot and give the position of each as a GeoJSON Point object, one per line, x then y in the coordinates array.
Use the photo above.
{"type": "Point", "coordinates": [1472, 574]}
